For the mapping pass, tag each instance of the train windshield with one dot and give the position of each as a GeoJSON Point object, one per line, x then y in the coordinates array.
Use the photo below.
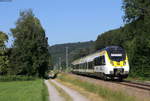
{"type": "Point", "coordinates": [116, 54]}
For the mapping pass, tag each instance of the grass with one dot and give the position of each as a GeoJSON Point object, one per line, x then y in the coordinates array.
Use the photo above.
{"type": "Point", "coordinates": [89, 95]}
{"type": "Point", "coordinates": [62, 92]}
{"type": "Point", "coordinates": [105, 93]}
{"type": "Point", "coordinates": [34, 90]}
{"type": "Point", "coordinates": [45, 93]}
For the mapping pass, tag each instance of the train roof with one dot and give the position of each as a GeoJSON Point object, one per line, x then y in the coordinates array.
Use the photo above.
{"type": "Point", "coordinates": [92, 56]}
{"type": "Point", "coordinates": [113, 47]}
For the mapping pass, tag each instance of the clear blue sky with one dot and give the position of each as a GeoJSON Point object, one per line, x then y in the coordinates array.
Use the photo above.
{"type": "Point", "coordinates": [66, 20]}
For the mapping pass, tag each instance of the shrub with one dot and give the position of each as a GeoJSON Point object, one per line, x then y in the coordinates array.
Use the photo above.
{"type": "Point", "coordinates": [16, 78]}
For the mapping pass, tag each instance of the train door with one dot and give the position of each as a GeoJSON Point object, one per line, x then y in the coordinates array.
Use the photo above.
{"type": "Point", "coordinates": [99, 64]}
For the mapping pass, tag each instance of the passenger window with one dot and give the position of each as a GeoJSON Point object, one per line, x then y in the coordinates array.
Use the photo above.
{"type": "Point", "coordinates": [99, 61]}
{"type": "Point", "coordinates": [90, 65]}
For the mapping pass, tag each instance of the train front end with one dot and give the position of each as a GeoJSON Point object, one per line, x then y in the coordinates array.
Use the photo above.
{"type": "Point", "coordinates": [117, 62]}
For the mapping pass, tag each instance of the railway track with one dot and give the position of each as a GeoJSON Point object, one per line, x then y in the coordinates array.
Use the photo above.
{"type": "Point", "coordinates": [145, 86]}
{"type": "Point", "coordinates": [139, 90]}
{"type": "Point", "coordinates": [139, 85]}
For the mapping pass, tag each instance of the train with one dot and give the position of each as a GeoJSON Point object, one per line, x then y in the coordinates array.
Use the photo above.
{"type": "Point", "coordinates": [108, 63]}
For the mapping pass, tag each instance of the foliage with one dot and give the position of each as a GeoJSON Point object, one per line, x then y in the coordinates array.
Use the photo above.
{"type": "Point", "coordinates": [74, 51]}
{"type": "Point", "coordinates": [136, 9]}
{"type": "Point", "coordinates": [34, 90]}
{"type": "Point", "coordinates": [81, 53]}
{"type": "Point", "coordinates": [113, 37]}
{"type": "Point", "coordinates": [7, 78]}
{"type": "Point", "coordinates": [3, 53]}
{"type": "Point", "coordinates": [3, 39]}
{"type": "Point", "coordinates": [29, 54]}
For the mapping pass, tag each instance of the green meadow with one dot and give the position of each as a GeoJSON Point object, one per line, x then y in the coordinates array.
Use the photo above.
{"type": "Point", "coordinates": [33, 90]}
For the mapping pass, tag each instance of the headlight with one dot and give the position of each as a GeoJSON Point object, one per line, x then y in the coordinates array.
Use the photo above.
{"type": "Point", "coordinates": [111, 62]}
{"type": "Point", "coordinates": [124, 63]}
{"type": "Point", "coordinates": [126, 72]}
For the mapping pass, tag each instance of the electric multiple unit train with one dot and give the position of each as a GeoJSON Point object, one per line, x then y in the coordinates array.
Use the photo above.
{"type": "Point", "coordinates": [108, 63]}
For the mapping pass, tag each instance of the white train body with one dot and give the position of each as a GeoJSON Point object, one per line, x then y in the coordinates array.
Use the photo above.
{"type": "Point", "coordinates": [110, 62]}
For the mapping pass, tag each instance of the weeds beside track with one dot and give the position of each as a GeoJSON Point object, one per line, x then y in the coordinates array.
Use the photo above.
{"type": "Point", "coordinates": [106, 93]}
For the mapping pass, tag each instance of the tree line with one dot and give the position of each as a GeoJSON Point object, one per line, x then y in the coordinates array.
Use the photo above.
{"type": "Point", "coordinates": [75, 50]}
{"type": "Point", "coordinates": [29, 54]}
{"type": "Point", "coordinates": [134, 36]}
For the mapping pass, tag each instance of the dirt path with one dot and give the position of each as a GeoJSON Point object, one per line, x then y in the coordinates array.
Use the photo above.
{"type": "Point", "coordinates": [76, 96]}
{"type": "Point", "coordinates": [54, 94]}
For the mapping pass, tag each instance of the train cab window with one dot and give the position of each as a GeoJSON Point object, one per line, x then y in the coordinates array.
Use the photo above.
{"type": "Point", "coordinates": [103, 60]}
{"type": "Point", "coordinates": [99, 61]}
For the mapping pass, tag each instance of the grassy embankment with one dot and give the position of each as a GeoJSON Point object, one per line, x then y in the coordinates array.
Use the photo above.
{"type": "Point", "coordinates": [22, 89]}
{"type": "Point", "coordinates": [105, 93]}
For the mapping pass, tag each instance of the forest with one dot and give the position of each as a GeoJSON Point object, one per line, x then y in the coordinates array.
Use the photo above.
{"type": "Point", "coordinates": [75, 50]}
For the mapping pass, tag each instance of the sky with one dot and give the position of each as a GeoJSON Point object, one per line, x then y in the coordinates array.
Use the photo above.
{"type": "Point", "coordinates": [66, 21]}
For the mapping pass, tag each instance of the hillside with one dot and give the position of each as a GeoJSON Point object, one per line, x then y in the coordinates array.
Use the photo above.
{"type": "Point", "coordinates": [74, 51]}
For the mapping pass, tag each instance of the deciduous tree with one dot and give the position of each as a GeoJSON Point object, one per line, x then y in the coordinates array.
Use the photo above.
{"type": "Point", "coordinates": [3, 57]}
{"type": "Point", "coordinates": [30, 54]}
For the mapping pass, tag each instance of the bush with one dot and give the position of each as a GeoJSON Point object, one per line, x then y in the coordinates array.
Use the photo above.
{"type": "Point", "coordinates": [16, 78]}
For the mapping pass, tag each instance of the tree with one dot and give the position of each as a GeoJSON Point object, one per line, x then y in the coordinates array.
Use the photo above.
{"type": "Point", "coordinates": [3, 39]}
{"type": "Point", "coordinates": [81, 53]}
{"type": "Point", "coordinates": [136, 9]}
{"type": "Point", "coordinates": [137, 14]}
{"type": "Point", "coordinates": [30, 54]}
{"type": "Point", "coordinates": [3, 57]}
{"type": "Point", "coordinates": [112, 37]}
